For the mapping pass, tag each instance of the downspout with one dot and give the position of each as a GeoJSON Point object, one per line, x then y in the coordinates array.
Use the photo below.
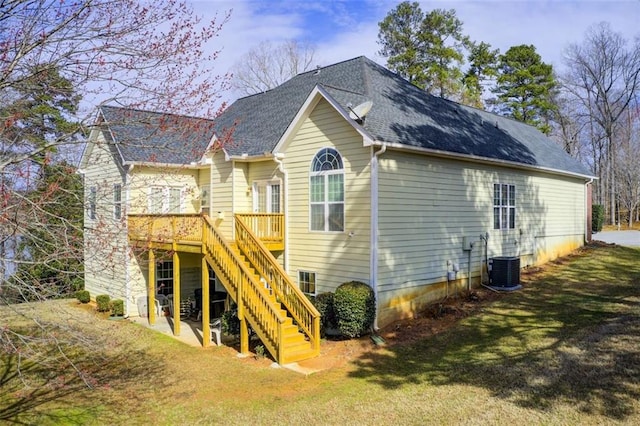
{"type": "Point", "coordinates": [233, 199]}
{"type": "Point", "coordinates": [373, 264]}
{"type": "Point", "coordinates": [285, 176]}
{"type": "Point", "coordinates": [586, 213]}
{"type": "Point", "coordinates": [125, 212]}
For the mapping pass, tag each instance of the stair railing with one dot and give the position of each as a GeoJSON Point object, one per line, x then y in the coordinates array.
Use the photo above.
{"type": "Point", "coordinates": [301, 309]}
{"type": "Point", "coordinates": [250, 295]}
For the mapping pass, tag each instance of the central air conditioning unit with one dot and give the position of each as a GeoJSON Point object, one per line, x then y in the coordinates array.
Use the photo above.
{"type": "Point", "coordinates": [504, 271]}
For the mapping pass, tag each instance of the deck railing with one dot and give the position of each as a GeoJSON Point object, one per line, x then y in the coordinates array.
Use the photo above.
{"type": "Point", "coordinates": [251, 297]}
{"type": "Point", "coordinates": [269, 227]}
{"type": "Point", "coordinates": [301, 309]}
{"type": "Point", "coordinates": [165, 228]}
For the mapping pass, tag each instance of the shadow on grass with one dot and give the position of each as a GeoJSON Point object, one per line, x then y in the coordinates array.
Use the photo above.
{"type": "Point", "coordinates": [54, 383]}
{"type": "Point", "coordinates": [571, 337]}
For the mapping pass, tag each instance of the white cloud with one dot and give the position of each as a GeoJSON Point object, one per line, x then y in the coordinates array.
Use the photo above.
{"type": "Point", "coordinates": [346, 29]}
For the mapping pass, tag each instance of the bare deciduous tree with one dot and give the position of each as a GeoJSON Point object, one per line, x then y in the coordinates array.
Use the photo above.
{"type": "Point", "coordinates": [604, 74]}
{"type": "Point", "coordinates": [266, 65]}
{"type": "Point", "coordinates": [628, 165]}
{"type": "Point", "coordinates": [155, 56]}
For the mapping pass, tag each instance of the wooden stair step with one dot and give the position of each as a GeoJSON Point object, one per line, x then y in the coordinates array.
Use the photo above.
{"type": "Point", "coordinates": [298, 354]}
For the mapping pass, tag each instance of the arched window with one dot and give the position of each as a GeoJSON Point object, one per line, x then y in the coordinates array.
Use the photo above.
{"type": "Point", "coordinates": [327, 191]}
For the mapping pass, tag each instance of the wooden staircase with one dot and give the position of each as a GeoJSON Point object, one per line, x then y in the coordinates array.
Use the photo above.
{"type": "Point", "coordinates": [278, 312]}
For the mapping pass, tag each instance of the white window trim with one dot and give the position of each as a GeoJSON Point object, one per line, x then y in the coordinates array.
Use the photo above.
{"type": "Point", "coordinates": [205, 200]}
{"type": "Point", "coordinates": [325, 174]}
{"type": "Point", "coordinates": [161, 280]}
{"type": "Point", "coordinates": [511, 210]}
{"type": "Point", "coordinates": [315, 285]}
{"type": "Point", "coordinates": [93, 202]}
{"type": "Point", "coordinates": [117, 204]}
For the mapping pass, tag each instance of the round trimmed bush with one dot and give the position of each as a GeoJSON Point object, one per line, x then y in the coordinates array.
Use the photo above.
{"type": "Point", "coordinates": [354, 305]}
{"type": "Point", "coordinates": [102, 303]}
{"type": "Point", "coordinates": [83, 296]}
{"type": "Point", "coordinates": [117, 307]}
{"type": "Point", "coordinates": [324, 304]}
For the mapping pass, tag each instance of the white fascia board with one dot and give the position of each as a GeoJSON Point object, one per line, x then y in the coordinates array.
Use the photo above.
{"type": "Point", "coordinates": [249, 158]}
{"type": "Point", "coordinates": [480, 160]}
{"type": "Point", "coordinates": [317, 93]}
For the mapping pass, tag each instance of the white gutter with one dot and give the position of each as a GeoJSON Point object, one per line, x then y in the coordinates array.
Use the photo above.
{"type": "Point", "coordinates": [373, 263]}
{"type": "Point", "coordinates": [249, 159]}
{"type": "Point", "coordinates": [167, 165]}
{"type": "Point", "coordinates": [285, 175]}
{"type": "Point", "coordinates": [477, 159]}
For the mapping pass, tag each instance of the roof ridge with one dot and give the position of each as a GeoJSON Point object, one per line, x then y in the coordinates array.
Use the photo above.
{"type": "Point", "coordinates": [160, 113]}
{"type": "Point", "coordinates": [320, 68]}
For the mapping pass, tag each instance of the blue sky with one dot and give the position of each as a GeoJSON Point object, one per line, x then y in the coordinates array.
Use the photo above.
{"type": "Point", "coordinates": [343, 29]}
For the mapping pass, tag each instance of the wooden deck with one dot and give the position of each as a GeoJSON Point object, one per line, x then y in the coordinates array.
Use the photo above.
{"type": "Point", "coordinates": [268, 301]}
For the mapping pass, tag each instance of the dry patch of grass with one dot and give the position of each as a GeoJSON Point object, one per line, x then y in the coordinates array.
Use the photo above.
{"type": "Point", "coordinates": [565, 350]}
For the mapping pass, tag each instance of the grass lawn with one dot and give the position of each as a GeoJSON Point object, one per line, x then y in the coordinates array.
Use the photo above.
{"type": "Point", "coordinates": [564, 350]}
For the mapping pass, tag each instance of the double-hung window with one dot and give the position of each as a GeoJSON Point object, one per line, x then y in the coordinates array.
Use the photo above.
{"type": "Point", "coordinates": [327, 192]}
{"type": "Point", "coordinates": [204, 197]}
{"type": "Point", "coordinates": [117, 201]}
{"type": "Point", "coordinates": [164, 277]}
{"type": "Point", "coordinates": [504, 206]}
{"type": "Point", "coordinates": [93, 195]}
{"type": "Point", "coordinates": [307, 282]}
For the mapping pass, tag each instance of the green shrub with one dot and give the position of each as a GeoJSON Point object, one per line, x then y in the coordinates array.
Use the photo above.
{"type": "Point", "coordinates": [83, 296]}
{"type": "Point", "coordinates": [324, 304]}
{"type": "Point", "coordinates": [260, 352]}
{"type": "Point", "coordinates": [102, 302]}
{"type": "Point", "coordinates": [597, 217]}
{"type": "Point", "coordinates": [77, 284]}
{"type": "Point", "coordinates": [354, 305]}
{"type": "Point", "coordinates": [230, 322]}
{"type": "Point", "coordinates": [117, 307]}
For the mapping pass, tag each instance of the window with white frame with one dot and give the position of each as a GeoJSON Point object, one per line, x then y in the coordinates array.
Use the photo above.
{"type": "Point", "coordinates": [307, 282]}
{"type": "Point", "coordinates": [326, 186]}
{"type": "Point", "coordinates": [164, 277]}
{"type": "Point", "coordinates": [204, 197]}
{"type": "Point", "coordinates": [117, 201]}
{"type": "Point", "coordinates": [93, 195]}
{"type": "Point", "coordinates": [504, 206]}
{"type": "Point", "coordinates": [165, 199]}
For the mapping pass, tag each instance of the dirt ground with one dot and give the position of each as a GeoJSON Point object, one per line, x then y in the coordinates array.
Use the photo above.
{"type": "Point", "coordinates": [438, 318]}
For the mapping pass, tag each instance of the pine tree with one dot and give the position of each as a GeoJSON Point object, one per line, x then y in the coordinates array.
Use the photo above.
{"type": "Point", "coordinates": [525, 86]}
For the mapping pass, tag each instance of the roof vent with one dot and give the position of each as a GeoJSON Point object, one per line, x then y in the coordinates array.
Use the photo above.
{"type": "Point", "coordinates": [317, 70]}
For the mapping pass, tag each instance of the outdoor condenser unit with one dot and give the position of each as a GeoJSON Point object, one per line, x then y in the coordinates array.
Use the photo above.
{"type": "Point", "coordinates": [505, 271]}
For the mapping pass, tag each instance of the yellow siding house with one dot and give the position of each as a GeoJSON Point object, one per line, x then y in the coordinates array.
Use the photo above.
{"type": "Point", "coordinates": [344, 173]}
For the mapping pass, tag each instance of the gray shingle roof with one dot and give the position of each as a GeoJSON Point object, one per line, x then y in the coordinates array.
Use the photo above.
{"type": "Point", "coordinates": [143, 136]}
{"type": "Point", "coordinates": [401, 114]}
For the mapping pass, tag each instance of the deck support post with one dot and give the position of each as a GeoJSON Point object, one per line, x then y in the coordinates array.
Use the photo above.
{"type": "Point", "coordinates": [206, 331]}
{"type": "Point", "coordinates": [151, 300]}
{"type": "Point", "coordinates": [176, 291]}
{"type": "Point", "coordinates": [244, 337]}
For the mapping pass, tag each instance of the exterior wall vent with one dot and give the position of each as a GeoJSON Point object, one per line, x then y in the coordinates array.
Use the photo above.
{"type": "Point", "coordinates": [505, 271]}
